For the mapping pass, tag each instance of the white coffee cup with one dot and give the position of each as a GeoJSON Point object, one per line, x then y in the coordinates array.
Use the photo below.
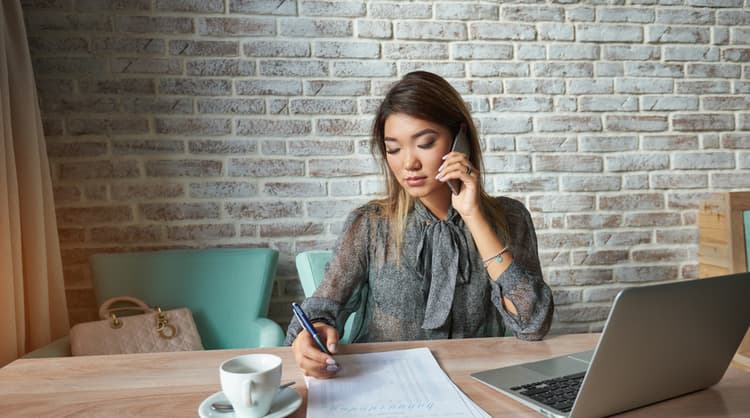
{"type": "Point", "coordinates": [250, 383]}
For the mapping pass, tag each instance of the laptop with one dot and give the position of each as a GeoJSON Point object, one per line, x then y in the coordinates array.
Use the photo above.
{"type": "Point", "coordinates": [660, 341]}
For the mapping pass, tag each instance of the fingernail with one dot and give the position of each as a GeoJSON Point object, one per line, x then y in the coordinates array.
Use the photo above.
{"type": "Point", "coordinates": [332, 368]}
{"type": "Point", "coordinates": [330, 362]}
{"type": "Point", "coordinates": [440, 168]}
{"type": "Point", "coordinates": [438, 176]}
{"type": "Point", "coordinates": [331, 347]}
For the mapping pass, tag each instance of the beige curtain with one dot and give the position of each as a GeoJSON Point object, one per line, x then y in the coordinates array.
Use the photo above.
{"type": "Point", "coordinates": [33, 310]}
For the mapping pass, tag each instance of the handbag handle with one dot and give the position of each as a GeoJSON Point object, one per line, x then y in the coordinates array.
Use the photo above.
{"type": "Point", "coordinates": [106, 311]}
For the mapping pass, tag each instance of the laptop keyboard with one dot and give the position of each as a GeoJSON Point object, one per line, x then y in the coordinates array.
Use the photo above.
{"type": "Point", "coordinates": [559, 393]}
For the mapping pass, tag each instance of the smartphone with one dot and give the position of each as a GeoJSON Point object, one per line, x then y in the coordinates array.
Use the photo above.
{"type": "Point", "coordinates": [460, 144]}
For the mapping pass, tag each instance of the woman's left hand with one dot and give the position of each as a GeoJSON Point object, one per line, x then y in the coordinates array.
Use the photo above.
{"type": "Point", "coordinates": [456, 166]}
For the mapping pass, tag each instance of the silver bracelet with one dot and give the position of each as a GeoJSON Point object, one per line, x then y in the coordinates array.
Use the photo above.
{"type": "Point", "coordinates": [498, 257]}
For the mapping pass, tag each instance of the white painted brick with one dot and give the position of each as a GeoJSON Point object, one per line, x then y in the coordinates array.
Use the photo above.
{"type": "Point", "coordinates": [465, 11]}
{"type": "Point", "coordinates": [498, 69]}
{"type": "Point", "coordinates": [631, 52]}
{"type": "Point", "coordinates": [669, 142]}
{"type": "Point", "coordinates": [739, 35]}
{"type": "Point", "coordinates": [566, 104]}
{"type": "Point", "coordinates": [589, 183]}
{"type": "Point", "coordinates": [509, 163]}
{"type": "Point", "coordinates": [574, 52]}
{"type": "Point", "coordinates": [720, 35]}
{"type": "Point", "coordinates": [318, 106]}
{"type": "Point", "coordinates": [525, 183]}
{"type": "Point", "coordinates": [609, 69]}
{"type": "Point", "coordinates": [502, 31]}
{"type": "Point", "coordinates": [350, 88]}
{"type": "Point", "coordinates": [625, 15]}
{"type": "Point", "coordinates": [375, 29]}
{"type": "Point", "coordinates": [503, 124]}
{"type": "Point", "coordinates": [691, 53]}
{"type": "Point", "coordinates": [702, 86]}
{"type": "Point", "coordinates": [342, 49]}
{"type": "Point", "coordinates": [314, 28]}
{"type": "Point", "coordinates": [741, 87]}
{"type": "Point", "coordinates": [685, 16]}
{"type": "Point", "coordinates": [608, 33]}
{"type": "Point", "coordinates": [580, 13]}
{"type": "Point", "coordinates": [715, 3]}
{"type": "Point", "coordinates": [568, 123]}
{"type": "Point", "coordinates": [703, 160]}
{"type": "Point", "coordinates": [263, 7]}
{"type": "Point", "coordinates": [567, 163]}
{"type": "Point", "coordinates": [532, 13]}
{"type": "Point", "coordinates": [562, 69]}
{"type": "Point", "coordinates": [220, 67]}
{"type": "Point", "coordinates": [416, 50]}
{"type": "Point", "coordinates": [662, 102]}
{"type": "Point", "coordinates": [659, 34]}
{"type": "Point", "coordinates": [363, 69]}
{"type": "Point", "coordinates": [556, 31]}
{"type": "Point", "coordinates": [636, 162]}
{"type": "Point", "coordinates": [291, 68]}
{"type": "Point", "coordinates": [534, 86]}
{"type": "Point", "coordinates": [499, 143]}
{"type": "Point", "coordinates": [643, 85]}
{"type": "Point", "coordinates": [555, 143]}
{"type": "Point", "coordinates": [608, 143]}
{"type": "Point", "coordinates": [440, 31]}
{"type": "Point", "coordinates": [275, 87]}
{"type": "Point", "coordinates": [478, 51]}
{"type": "Point", "coordinates": [651, 69]}
{"type": "Point", "coordinates": [399, 10]}
{"type": "Point", "coordinates": [636, 123]}
{"type": "Point", "coordinates": [446, 69]}
{"type": "Point", "coordinates": [725, 102]}
{"type": "Point", "coordinates": [332, 8]}
{"type": "Point", "coordinates": [635, 182]}
{"type": "Point", "coordinates": [679, 181]}
{"type": "Point", "coordinates": [522, 104]}
{"type": "Point", "coordinates": [734, 180]}
{"type": "Point", "coordinates": [531, 52]}
{"type": "Point", "coordinates": [608, 103]}
{"type": "Point", "coordinates": [591, 86]}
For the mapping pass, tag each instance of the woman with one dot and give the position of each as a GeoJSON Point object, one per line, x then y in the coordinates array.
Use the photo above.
{"type": "Point", "coordinates": [424, 263]}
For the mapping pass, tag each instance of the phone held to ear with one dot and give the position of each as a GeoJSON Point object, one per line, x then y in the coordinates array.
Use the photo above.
{"type": "Point", "coordinates": [460, 144]}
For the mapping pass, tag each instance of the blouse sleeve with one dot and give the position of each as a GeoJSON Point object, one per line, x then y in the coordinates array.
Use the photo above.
{"type": "Point", "coordinates": [522, 281]}
{"type": "Point", "coordinates": [345, 273]}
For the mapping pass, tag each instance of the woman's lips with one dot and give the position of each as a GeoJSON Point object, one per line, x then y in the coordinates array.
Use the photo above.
{"type": "Point", "coordinates": [416, 181]}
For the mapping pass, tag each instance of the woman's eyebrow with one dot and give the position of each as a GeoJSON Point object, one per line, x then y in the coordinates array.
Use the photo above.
{"type": "Point", "coordinates": [415, 136]}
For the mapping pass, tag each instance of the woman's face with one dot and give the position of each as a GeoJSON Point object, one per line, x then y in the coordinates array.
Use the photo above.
{"type": "Point", "coordinates": [414, 151]}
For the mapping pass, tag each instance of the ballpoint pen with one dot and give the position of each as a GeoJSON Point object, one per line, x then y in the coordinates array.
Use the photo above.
{"type": "Point", "coordinates": [302, 318]}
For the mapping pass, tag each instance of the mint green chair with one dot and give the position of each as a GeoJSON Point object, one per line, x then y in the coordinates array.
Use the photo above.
{"type": "Point", "coordinates": [227, 289]}
{"type": "Point", "coordinates": [311, 266]}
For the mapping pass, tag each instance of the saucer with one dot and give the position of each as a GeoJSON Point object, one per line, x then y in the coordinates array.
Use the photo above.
{"type": "Point", "coordinates": [285, 402]}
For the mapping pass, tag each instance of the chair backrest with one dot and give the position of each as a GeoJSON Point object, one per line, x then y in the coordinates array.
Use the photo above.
{"type": "Point", "coordinates": [227, 289]}
{"type": "Point", "coordinates": [311, 266]}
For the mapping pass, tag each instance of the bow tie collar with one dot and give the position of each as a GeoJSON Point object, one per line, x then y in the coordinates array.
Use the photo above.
{"type": "Point", "coordinates": [442, 261]}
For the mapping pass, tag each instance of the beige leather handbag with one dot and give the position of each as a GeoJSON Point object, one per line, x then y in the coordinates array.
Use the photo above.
{"type": "Point", "coordinates": [152, 330]}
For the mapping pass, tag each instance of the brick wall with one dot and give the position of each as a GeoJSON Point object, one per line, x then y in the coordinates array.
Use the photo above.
{"type": "Point", "coordinates": [201, 123]}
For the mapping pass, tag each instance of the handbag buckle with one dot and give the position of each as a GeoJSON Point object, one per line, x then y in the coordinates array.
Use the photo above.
{"type": "Point", "coordinates": [163, 327]}
{"type": "Point", "coordinates": [115, 322]}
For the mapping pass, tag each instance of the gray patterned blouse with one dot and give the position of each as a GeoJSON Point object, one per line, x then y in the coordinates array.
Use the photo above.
{"type": "Point", "coordinates": [438, 287]}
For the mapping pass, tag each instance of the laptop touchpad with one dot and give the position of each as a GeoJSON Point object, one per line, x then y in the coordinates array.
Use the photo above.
{"type": "Point", "coordinates": [559, 366]}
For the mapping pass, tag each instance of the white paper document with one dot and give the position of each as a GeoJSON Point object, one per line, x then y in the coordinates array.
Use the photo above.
{"type": "Point", "coordinates": [394, 384]}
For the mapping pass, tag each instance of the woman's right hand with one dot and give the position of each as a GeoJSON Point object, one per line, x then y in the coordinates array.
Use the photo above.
{"type": "Point", "coordinates": [310, 359]}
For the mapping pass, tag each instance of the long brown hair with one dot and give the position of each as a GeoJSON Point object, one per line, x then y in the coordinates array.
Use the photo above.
{"type": "Point", "coordinates": [429, 97]}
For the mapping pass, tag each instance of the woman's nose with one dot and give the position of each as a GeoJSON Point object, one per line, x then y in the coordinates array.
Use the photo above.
{"type": "Point", "coordinates": [411, 162]}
